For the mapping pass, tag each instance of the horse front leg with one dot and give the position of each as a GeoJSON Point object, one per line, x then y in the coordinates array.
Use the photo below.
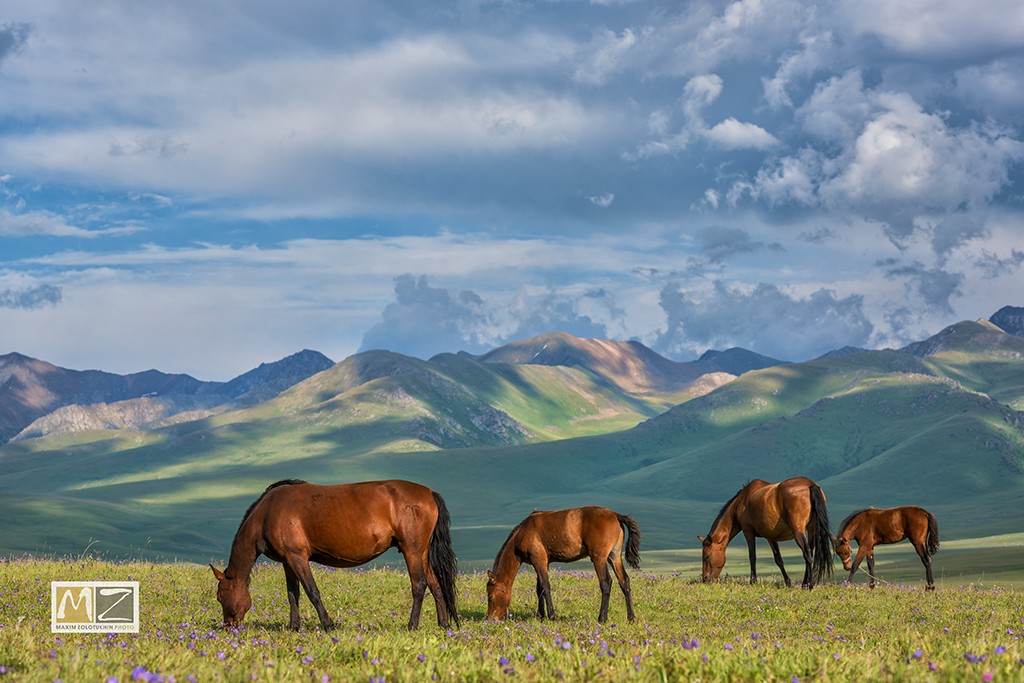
{"type": "Point", "coordinates": [604, 580]}
{"type": "Point", "coordinates": [862, 552]}
{"type": "Point", "coordinates": [871, 568]}
{"type": "Point", "coordinates": [752, 552]}
{"type": "Point", "coordinates": [777, 554]}
{"type": "Point", "coordinates": [545, 605]}
{"type": "Point", "coordinates": [305, 576]}
{"type": "Point", "coordinates": [291, 580]}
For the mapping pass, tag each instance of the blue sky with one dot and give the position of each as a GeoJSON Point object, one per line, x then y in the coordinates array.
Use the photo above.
{"type": "Point", "coordinates": [204, 186]}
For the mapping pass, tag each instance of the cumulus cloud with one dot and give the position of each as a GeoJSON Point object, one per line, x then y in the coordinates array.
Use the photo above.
{"type": "Point", "coordinates": [555, 311]}
{"type": "Point", "coordinates": [424, 321]}
{"type": "Point", "coordinates": [730, 134]}
{"type": "Point", "coordinates": [733, 134]}
{"type": "Point", "coordinates": [764, 319]}
{"type": "Point", "coordinates": [933, 287]}
{"type": "Point", "coordinates": [31, 297]}
{"type": "Point", "coordinates": [896, 163]}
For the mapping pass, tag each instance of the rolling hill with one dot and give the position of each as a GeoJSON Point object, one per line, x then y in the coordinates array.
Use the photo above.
{"type": "Point", "coordinates": [936, 424]}
{"type": "Point", "coordinates": [38, 398]}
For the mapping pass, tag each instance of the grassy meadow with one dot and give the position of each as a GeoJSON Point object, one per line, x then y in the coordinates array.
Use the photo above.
{"type": "Point", "coordinates": [685, 631]}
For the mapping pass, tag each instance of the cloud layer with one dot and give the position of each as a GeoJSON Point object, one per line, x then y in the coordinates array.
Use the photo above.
{"type": "Point", "coordinates": [434, 178]}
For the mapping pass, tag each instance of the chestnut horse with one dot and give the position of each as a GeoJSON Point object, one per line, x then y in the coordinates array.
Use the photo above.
{"type": "Point", "coordinates": [565, 536]}
{"type": "Point", "coordinates": [345, 525]}
{"type": "Point", "coordinates": [872, 526]}
{"type": "Point", "coordinates": [791, 509]}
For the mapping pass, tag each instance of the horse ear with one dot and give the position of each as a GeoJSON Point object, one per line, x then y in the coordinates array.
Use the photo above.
{"type": "Point", "coordinates": [217, 573]}
{"type": "Point", "coordinates": [490, 575]}
{"type": "Point", "coordinates": [701, 539]}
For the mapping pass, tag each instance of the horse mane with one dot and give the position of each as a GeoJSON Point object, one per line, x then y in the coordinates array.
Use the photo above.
{"type": "Point", "coordinates": [494, 567]}
{"type": "Point", "coordinates": [283, 482]}
{"type": "Point", "coordinates": [729, 502]}
{"type": "Point", "coordinates": [849, 518]}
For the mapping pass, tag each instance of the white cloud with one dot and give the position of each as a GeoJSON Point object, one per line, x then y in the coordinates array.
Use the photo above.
{"type": "Point", "coordinates": [938, 28]}
{"type": "Point", "coordinates": [897, 162]}
{"type": "Point", "coordinates": [609, 53]}
{"type": "Point", "coordinates": [31, 223]}
{"type": "Point", "coordinates": [733, 134]}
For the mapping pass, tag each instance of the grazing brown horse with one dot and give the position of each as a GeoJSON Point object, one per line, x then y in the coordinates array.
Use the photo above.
{"type": "Point", "coordinates": [872, 526]}
{"type": "Point", "coordinates": [565, 536]}
{"type": "Point", "coordinates": [791, 509]}
{"type": "Point", "coordinates": [345, 525]}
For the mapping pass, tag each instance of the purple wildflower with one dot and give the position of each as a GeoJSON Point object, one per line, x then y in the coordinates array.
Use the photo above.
{"type": "Point", "coordinates": [1000, 650]}
{"type": "Point", "coordinates": [503, 661]}
{"type": "Point", "coordinates": [421, 657]}
{"type": "Point", "coordinates": [918, 654]}
{"type": "Point", "coordinates": [530, 657]}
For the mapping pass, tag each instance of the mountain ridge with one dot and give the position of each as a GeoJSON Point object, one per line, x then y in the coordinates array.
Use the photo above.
{"type": "Point", "coordinates": [938, 422]}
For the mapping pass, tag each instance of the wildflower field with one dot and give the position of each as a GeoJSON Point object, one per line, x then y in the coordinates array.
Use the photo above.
{"type": "Point", "coordinates": [685, 631]}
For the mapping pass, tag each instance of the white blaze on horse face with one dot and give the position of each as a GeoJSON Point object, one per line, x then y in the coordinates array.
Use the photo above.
{"type": "Point", "coordinates": [844, 552]}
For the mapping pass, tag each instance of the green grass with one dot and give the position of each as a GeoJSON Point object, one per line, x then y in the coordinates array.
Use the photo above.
{"type": "Point", "coordinates": [730, 631]}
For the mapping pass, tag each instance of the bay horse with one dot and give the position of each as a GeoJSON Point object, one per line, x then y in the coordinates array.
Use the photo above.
{"type": "Point", "coordinates": [343, 525]}
{"type": "Point", "coordinates": [565, 536]}
{"type": "Point", "coordinates": [790, 509]}
{"type": "Point", "coordinates": [873, 526]}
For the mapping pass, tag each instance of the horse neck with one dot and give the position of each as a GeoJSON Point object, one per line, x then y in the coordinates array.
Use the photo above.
{"type": "Point", "coordinates": [243, 551]}
{"type": "Point", "coordinates": [726, 526]}
{"type": "Point", "coordinates": [507, 564]}
{"type": "Point", "coordinates": [852, 529]}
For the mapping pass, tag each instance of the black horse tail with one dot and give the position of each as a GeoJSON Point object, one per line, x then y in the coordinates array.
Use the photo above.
{"type": "Point", "coordinates": [441, 557]}
{"type": "Point", "coordinates": [821, 553]}
{"type": "Point", "coordinates": [633, 544]}
{"type": "Point", "coordinates": [933, 535]}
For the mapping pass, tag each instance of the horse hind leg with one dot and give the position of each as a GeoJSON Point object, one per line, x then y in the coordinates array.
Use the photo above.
{"type": "Point", "coordinates": [623, 578]}
{"type": "Point", "coordinates": [805, 547]}
{"type": "Point", "coordinates": [434, 585]}
{"type": "Point", "coordinates": [777, 554]}
{"type": "Point", "coordinates": [415, 563]}
{"type": "Point", "coordinates": [926, 560]}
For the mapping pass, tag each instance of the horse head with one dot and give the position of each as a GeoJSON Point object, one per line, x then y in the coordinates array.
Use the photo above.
{"type": "Point", "coordinates": [842, 546]}
{"type": "Point", "coordinates": [712, 558]}
{"type": "Point", "coordinates": [233, 596]}
{"type": "Point", "coordinates": [499, 597]}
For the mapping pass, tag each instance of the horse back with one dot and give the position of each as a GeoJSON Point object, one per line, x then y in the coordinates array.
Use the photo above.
{"type": "Point", "coordinates": [345, 524]}
{"type": "Point", "coordinates": [774, 511]}
{"type": "Point", "coordinates": [567, 535]}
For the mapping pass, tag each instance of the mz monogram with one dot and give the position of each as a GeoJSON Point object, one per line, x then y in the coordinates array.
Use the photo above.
{"type": "Point", "coordinates": [104, 606]}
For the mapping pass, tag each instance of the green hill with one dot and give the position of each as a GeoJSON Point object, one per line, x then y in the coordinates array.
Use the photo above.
{"type": "Point", "coordinates": [935, 424]}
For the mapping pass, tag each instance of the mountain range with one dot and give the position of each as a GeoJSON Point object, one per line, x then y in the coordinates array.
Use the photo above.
{"type": "Point", "coordinates": [546, 423]}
